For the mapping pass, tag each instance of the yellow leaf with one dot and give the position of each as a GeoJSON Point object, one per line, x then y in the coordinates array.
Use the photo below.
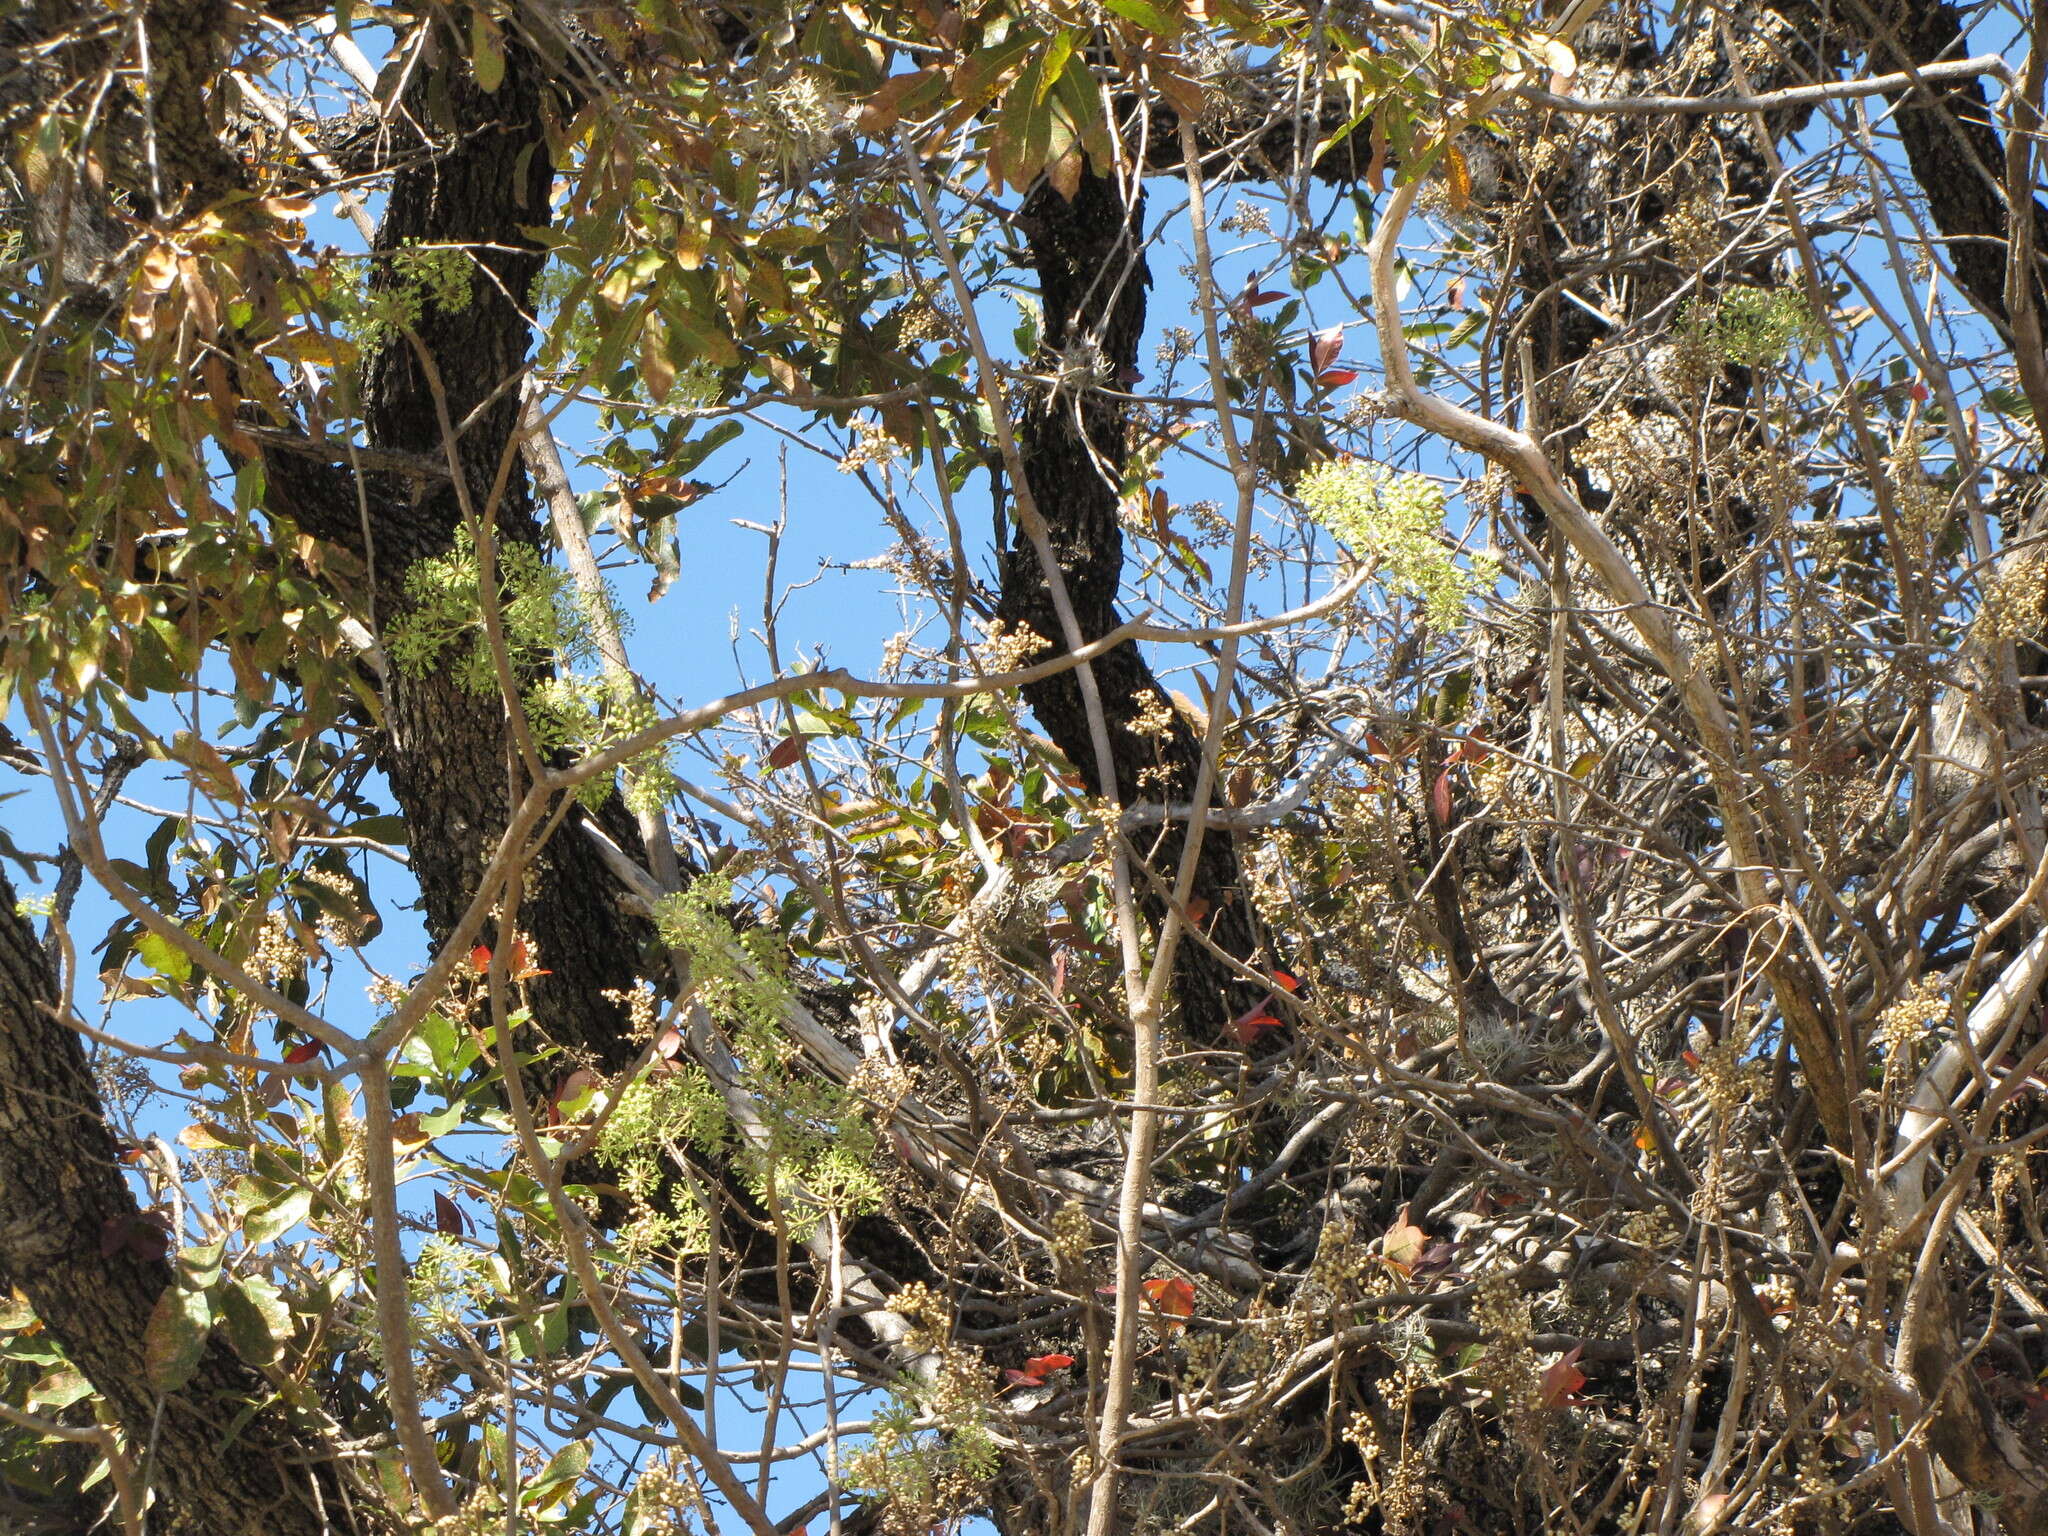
{"type": "Point", "coordinates": [656, 369]}
{"type": "Point", "coordinates": [1557, 53]}
{"type": "Point", "coordinates": [1064, 174]}
{"type": "Point", "coordinates": [158, 270]}
{"type": "Point", "coordinates": [1457, 178]}
{"type": "Point", "coordinates": [319, 349]}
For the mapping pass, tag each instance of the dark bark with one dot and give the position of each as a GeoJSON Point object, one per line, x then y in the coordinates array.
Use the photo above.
{"type": "Point", "coordinates": [61, 1196]}
{"type": "Point", "coordinates": [448, 751]}
{"type": "Point", "coordinates": [1956, 155]}
{"type": "Point", "coordinates": [1074, 442]}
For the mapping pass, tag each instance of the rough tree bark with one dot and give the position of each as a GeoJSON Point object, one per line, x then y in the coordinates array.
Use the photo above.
{"type": "Point", "coordinates": [1087, 251]}
{"type": "Point", "coordinates": [72, 1240]}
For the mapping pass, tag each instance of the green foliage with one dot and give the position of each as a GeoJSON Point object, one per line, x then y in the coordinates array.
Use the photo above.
{"type": "Point", "coordinates": [582, 715]}
{"type": "Point", "coordinates": [546, 626]}
{"type": "Point", "coordinates": [931, 1453]}
{"type": "Point", "coordinates": [375, 311]}
{"type": "Point", "coordinates": [443, 628]}
{"type": "Point", "coordinates": [449, 1280]}
{"type": "Point", "coordinates": [818, 1145]}
{"type": "Point", "coordinates": [1755, 327]}
{"type": "Point", "coordinates": [677, 1107]}
{"type": "Point", "coordinates": [1396, 520]}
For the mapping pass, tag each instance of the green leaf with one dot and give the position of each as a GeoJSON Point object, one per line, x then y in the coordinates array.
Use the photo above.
{"type": "Point", "coordinates": [437, 1034]}
{"type": "Point", "coordinates": [256, 1318]}
{"type": "Point", "coordinates": [1147, 15]}
{"type": "Point", "coordinates": [164, 958]}
{"type": "Point", "coordinates": [442, 1121]}
{"type": "Point", "coordinates": [976, 80]}
{"type": "Point", "coordinates": [60, 1389]}
{"type": "Point", "coordinates": [562, 1470]}
{"type": "Point", "coordinates": [2010, 402]}
{"type": "Point", "coordinates": [279, 1217]}
{"type": "Point", "coordinates": [486, 52]}
{"type": "Point", "coordinates": [199, 1266]}
{"type": "Point", "coordinates": [175, 1337]}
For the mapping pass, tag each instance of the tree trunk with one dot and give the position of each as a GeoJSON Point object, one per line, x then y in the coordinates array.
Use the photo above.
{"type": "Point", "coordinates": [70, 1239]}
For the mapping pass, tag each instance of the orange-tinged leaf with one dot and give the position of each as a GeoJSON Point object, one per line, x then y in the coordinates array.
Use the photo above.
{"type": "Point", "coordinates": [1323, 347]}
{"type": "Point", "coordinates": [1253, 1022]}
{"type": "Point", "coordinates": [887, 104]}
{"type": "Point", "coordinates": [1563, 1378]}
{"type": "Point", "coordinates": [1171, 1295]}
{"type": "Point", "coordinates": [1563, 63]}
{"type": "Point", "coordinates": [1041, 1365]}
{"type": "Point", "coordinates": [1402, 1244]}
{"type": "Point", "coordinates": [572, 1091]}
{"type": "Point", "coordinates": [523, 967]}
{"type": "Point", "coordinates": [1063, 175]}
{"type": "Point", "coordinates": [657, 368]}
{"type": "Point", "coordinates": [158, 269]}
{"type": "Point", "coordinates": [1440, 798]}
{"type": "Point", "coordinates": [480, 957]}
{"type": "Point", "coordinates": [1457, 179]}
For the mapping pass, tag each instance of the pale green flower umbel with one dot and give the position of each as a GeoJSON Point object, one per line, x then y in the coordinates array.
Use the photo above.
{"type": "Point", "coordinates": [1395, 520]}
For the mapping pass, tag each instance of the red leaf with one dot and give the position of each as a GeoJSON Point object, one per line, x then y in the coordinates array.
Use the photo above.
{"type": "Point", "coordinates": [1286, 980]}
{"type": "Point", "coordinates": [523, 968]}
{"type": "Point", "coordinates": [1253, 1022]}
{"type": "Point", "coordinates": [669, 1043]}
{"type": "Point", "coordinates": [1440, 798]}
{"type": "Point", "coordinates": [786, 751]}
{"type": "Point", "coordinates": [449, 1220]}
{"type": "Point", "coordinates": [1562, 1380]}
{"type": "Point", "coordinates": [1323, 347]}
{"type": "Point", "coordinates": [1919, 393]}
{"type": "Point", "coordinates": [1377, 747]}
{"type": "Point", "coordinates": [1333, 377]}
{"type": "Point", "coordinates": [1198, 908]}
{"type": "Point", "coordinates": [1171, 1295]}
{"type": "Point", "coordinates": [480, 957]}
{"type": "Point", "coordinates": [1023, 1379]}
{"type": "Point", "coordinates": [1043, 1365]}
{"type": "Point", "coordinates": [1254, 296]}
{"type": "Point", "coordinates": [299, 1055]}
{"type": "Point", "coordinates": [1059, 974]}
